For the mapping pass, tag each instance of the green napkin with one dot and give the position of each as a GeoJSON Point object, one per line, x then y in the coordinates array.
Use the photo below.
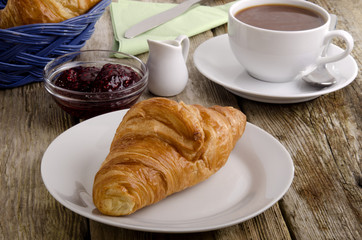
{"type": "Point", "coordinates": [126, 13]}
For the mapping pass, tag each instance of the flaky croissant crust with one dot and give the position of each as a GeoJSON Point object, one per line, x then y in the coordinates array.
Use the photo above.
{"type": "Point", "coordinates": [162, 147]}
{"type": "Point", "coordinates": [23, 12]}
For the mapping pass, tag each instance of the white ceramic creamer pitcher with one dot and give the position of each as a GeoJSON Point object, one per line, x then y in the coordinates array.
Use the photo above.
{"type": "Point", "coordinates": [168, 74]}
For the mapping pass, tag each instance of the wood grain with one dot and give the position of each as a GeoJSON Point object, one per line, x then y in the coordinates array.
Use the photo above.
{"type": "Point", "coordinates": [323, 137]}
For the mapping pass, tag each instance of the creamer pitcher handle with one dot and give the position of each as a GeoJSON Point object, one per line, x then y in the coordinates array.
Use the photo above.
{"type": "Point", "coordinates": [184, 41]}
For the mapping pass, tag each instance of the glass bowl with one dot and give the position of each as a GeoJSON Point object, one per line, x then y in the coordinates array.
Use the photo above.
{"type": "Point", "coordinates": [88, 104]}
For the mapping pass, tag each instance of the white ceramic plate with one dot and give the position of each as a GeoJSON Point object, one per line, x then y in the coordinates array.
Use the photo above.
{"type": "Point", "coordinates": [214, 60]}
{"type": "Point", "coordinates": [257, 174]}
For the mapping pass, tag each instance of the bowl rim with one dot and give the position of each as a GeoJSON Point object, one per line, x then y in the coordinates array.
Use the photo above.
{"type": "Point", "coordinates": [54, 89]}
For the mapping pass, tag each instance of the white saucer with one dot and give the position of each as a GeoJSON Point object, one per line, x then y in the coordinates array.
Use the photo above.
{"type": "Point", "coordinates": [214, 60]}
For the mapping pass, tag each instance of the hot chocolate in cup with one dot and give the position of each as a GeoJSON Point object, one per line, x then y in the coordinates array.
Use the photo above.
{"type": "Point", "coordinates": [281, 40]}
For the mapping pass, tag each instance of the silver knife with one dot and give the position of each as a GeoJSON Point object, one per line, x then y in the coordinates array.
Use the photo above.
{"type": "Point", "coordinates": [158, 19]}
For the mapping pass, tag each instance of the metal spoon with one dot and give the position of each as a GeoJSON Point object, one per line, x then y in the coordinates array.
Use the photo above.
{"type": "Point", "coordinates": [320, 77]}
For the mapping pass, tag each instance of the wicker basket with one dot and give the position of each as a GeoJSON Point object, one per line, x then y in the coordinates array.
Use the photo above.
{"type": "Point", "coordinates": [25, 50]}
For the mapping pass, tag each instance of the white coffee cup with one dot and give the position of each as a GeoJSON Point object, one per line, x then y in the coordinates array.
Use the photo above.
{"type": "Point", "coordinates": [281, 56]}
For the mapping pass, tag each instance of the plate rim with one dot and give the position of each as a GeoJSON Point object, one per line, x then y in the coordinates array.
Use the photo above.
{"type": "Point", "coordinates": [302, 97]}
{"type": "Point", "coordinates": [107, 219]}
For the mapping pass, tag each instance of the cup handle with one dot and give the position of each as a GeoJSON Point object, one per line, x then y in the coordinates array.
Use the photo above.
{"type": "Point", "coordinates": [349, 43]}
{"type": "Point", "coordinates": [184, 41]}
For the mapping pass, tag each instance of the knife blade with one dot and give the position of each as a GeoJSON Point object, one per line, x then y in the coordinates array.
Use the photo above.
{"type": "Point", "coordinates": [159, 19]}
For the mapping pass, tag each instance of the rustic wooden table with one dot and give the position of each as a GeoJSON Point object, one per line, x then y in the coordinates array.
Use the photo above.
{"type": "Point", "coordinates": [323, 137]}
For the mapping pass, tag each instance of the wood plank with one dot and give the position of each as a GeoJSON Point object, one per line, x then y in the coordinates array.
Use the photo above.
{"type": "Point", "coordinates": [29, 122]}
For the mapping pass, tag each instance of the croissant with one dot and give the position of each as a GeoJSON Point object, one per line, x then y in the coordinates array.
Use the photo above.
{"type": "Point", "coordinates": [162, 147]}
{"type": "Point", "coordinates": [22, 12]}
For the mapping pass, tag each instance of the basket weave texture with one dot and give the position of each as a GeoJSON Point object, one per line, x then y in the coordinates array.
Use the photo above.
{"type": "Point", "coordinates": [25, 50]}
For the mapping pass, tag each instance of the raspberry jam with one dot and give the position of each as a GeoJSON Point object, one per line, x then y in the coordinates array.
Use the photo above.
{"type": "Point", "coordinates": [98, 90]}
{"type": "Point", "coordinates": [111, 77]}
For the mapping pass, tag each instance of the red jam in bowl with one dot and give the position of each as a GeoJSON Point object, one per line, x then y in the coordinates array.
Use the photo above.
{"type": "Point", "coordinates": [111, 77]}
{"type": "Point", "coordinates": [98, 90]}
